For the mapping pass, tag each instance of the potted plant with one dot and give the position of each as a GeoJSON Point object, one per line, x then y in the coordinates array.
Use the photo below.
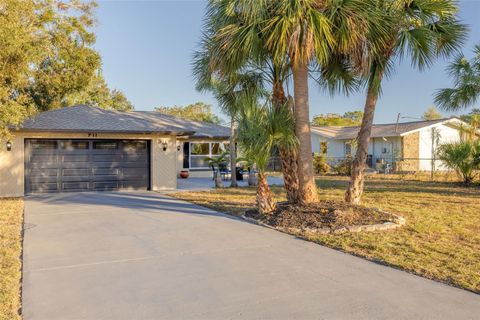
{"type": "Point", "coordinates": [215, 163]}
{"type": "Point", "coordinates": [184, 174]}
{"type": "Point", "coordinates": [252, 174]}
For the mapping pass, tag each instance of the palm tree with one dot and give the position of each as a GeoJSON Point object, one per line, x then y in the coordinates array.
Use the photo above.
{"type": "Point", "coordinates": [463, 157]}
{"type": "Point", "coordinates": [224, 53]}
{"type": "Point", "coordinates": [260, 129]}
{"type": "Point", "coordinates": [315, 34]}
{"type": "Point", "coordinates": [296, 33]}
{"type": "Point", "coordinates": [466, 83]}
{"type": "Point", "coordinates": [229, 90]}
{"type": "Point", "coordinates": [422, 30]}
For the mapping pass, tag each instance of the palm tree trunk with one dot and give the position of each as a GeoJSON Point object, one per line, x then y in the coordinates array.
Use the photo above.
{"type": "Point", "coordinates": [288, 157]}
{"type": "Point", "coordinates": [264, 199]}
{"type": "Point", "coordinates": [308, 189]}
{"type": "Point", "coordinates": [233, 156]}
{"type": "Point", "coordinates": [357, 179]}
{"type": "Point", "coordinates": [218, 180]}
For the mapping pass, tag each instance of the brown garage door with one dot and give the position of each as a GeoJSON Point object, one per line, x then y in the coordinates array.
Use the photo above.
{"type": "Point", "coordinates": [86, 165]}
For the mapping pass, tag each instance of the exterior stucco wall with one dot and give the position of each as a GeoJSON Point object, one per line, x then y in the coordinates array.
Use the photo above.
{"type": "Point", "coordinates": [163, 163]}
{"type": "Point", "coordinates": [335, 148]}
{"type": "Point", "coordinates": [12, 168]}
{"type": "Point", "coordinates": [430, 139]}
{"type": "Point", "coordinates": [387, 149]}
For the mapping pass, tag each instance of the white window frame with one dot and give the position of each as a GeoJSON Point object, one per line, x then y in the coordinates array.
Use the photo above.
{"type": "Point", "coordinates": [209, 155]}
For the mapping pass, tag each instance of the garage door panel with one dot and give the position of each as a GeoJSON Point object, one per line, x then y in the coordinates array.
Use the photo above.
{"type": "Point", "coordinates": [41, 179]}
{"type": "Point", "coordinates": [135, 157]}
{"type": "Point", "coordinates": [75, 186]}
{"type": "Point", "coordinates": [75, 158]}
{"type": "Point", "coordinates": [135, 165]}
{"type": "Point", "coordinates": [105, 178]}
{"type": "Point", "coordinates": [75, 179]}
{"type": "Point", "coordinates": [106, 158]}
{"type": "Point", "coordinates": [43, 158]}
{"type": "Point", "coordinates": [135, 176]}
{"type": "Point", "coordinates": [76, 165]}
{"type": "Point", "coordinates": [44, 172]}
{"type": "Point", "coordinates": [139, 163]}
{"type": "Point", "coordinates": [44, 187]}
{"type": "Point", "coordinates": [106, 185]}
{"type": "Point", "coordinates": [43, 166]}
{"type": "Point", "coordinates": [76, 172]}
{"type": "Point", "coordinates": [81, 165]}
{"type": "Point", "coordinates": [106, 171]}
{"type": "Point", "coordinates": [107, 165]}
{"type": "Point", "coordinates": [133, 172]}
{"type": "Point", "coordinates": [135, 185]}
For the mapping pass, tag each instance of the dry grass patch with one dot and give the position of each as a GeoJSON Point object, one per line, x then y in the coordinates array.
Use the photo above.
{"type": "Point", "coordinates": [441, 239]}
{"type": "Point", "coordinates": [11, 218]}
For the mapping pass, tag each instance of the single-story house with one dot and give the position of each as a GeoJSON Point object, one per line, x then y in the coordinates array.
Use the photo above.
{"type": "Point", "coordinates": [84, 148]}
{"type": "Point", "coordinates": [408, 146]}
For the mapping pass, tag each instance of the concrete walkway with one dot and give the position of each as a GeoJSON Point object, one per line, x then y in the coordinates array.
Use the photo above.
{"type": "Point", "coordinates": [198, 184]}
{"type": "Point", "coordinates": [147, 256]}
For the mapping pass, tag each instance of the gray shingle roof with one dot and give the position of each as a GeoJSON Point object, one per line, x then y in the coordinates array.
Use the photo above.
{"type": "Point", "coordinates": [84, 118]}
{"type": "Point", "coordinates": [378, 130]}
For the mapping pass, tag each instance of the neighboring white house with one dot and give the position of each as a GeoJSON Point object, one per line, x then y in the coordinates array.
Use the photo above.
{"type": "Point", "coordinates": [408, 146]}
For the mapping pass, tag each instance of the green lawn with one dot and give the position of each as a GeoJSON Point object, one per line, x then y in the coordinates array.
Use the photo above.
{"type": "Point", "coordinates": [441, 239]}
{"type": "Point", "coordinates": [11, 217]}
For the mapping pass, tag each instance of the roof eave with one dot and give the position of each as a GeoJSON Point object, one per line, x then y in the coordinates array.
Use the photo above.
{"type": "Point", "coordinates": [163, 132]}
{"type": "Point", "coordinates": [198, 137]}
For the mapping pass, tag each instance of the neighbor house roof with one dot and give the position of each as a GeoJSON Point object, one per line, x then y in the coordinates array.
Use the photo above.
{"type": "Point", "coordinates": [82, 118]}
{"type": "Point", "coordinates": [382, 130]}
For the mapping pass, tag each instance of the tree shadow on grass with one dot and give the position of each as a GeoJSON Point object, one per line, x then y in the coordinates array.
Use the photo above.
{"type": "Point", "coordinates": [398, 186]}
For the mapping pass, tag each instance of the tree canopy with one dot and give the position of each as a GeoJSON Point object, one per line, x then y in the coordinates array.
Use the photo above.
{"type": "Point", "coordinates": [98, 94]}
{"type": "Point", "coordinates": [432, 113]}
{"type": "Point", "coordinates": [350, 118]}
{"type": "Point", "coordinates": [466, 83]}
{"type": "Point", "coordinates": [47, 60]}
{"type": "Point", "coordinates": [474, 114]}
{"type": "Point", "coordinates": [198, 111]}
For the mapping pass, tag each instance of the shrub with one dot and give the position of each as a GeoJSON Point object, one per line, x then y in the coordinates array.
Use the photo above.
{"type": "Point", "coordinates": [463, 157]}
{"type": "Point", "coordinates": [344, 167]}
{"type": "Point", "coordinates": [320, 164]}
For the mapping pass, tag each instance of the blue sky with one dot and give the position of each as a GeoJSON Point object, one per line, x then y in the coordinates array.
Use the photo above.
{"type": "Point", "coordinates": [147, 47]}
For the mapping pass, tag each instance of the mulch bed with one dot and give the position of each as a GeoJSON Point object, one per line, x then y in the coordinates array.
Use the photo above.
{"type": "Point", "coordinates": [332, 215]}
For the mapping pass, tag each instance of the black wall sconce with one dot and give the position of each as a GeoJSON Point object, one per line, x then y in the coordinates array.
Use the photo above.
{"type": "Point", "coordinates": [164, 145]}
{"type": "Point", "coordinates": [9, 146]}
{"type": "Point", "coordinates": [179, 147]}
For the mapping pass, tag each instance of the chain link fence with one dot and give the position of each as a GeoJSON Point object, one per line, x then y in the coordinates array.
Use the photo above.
{"type": "Point", "coordinates": [404, 168]}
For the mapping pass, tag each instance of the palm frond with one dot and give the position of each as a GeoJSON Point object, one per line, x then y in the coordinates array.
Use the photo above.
{"type": "Point", "coordinates": [466, 84]}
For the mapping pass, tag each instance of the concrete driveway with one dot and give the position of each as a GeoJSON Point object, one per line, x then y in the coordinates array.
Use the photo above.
{"type": "Point", "coordinates": [148, 256]}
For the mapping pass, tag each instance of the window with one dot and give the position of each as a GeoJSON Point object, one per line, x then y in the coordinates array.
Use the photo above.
{"type": "Point", "coordinates": [201, 150]}
{"type": "Point", "coordinates": [219, 148]}
{"type": "Point", "coordinates": [348, 149]}
{"type": "Point", "coordinates": [105, 145]}
{"type": "Point", "coordinates": [44, 144]}
{"type": "Point", "coordinates": [135, 145]}
{"type": "Point", "coordinates": [74, 145]}
{"type": "Point", "coordinates": [323, 147]}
